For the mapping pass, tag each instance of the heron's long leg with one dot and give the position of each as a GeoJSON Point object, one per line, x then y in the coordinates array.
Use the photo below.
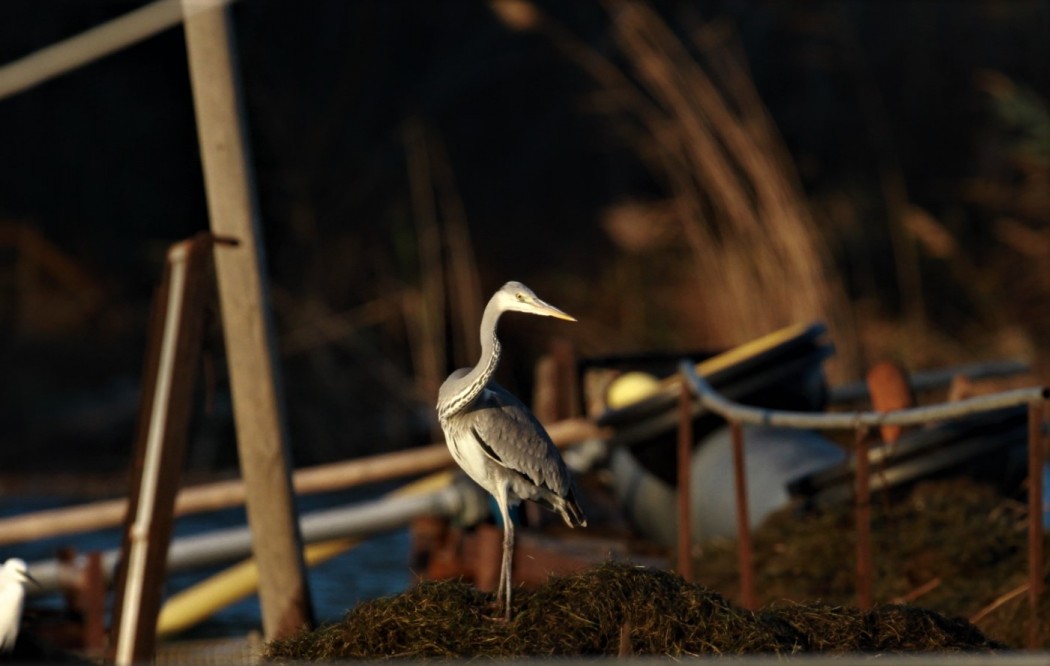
{"type": "Point", "coordinates": [508, 556]}
{"type": "Point", "coordinates": [508, 552]}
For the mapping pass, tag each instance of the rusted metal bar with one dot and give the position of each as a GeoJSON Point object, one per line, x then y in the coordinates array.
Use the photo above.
{"type": "Point", "coordinates": [743, 520]}
{"type": "Point", "coordinates": [685, 451]}
{"type": "Point", "coordinates": [568, 396]}
{"type": "Point", "coordinates": [862, 512]}
{"type": "Point", "coordinates": [728, 409]}
{"type": "Point", "coordinates": [1036, 412]}
{"type": "Point", "coordinates": [92, 602]}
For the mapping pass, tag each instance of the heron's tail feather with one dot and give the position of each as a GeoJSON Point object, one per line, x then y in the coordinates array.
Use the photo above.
{"type": "Point", "coordinates": [573, 516]}
{"type": "Point", "coordinates": [571, 512]}
{"type": "Point", "coordinates": [566, 506]}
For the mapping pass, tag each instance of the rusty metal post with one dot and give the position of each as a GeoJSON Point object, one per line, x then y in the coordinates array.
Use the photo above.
{"type": "Point", "coordinates": [863, 520]}
{"type": "Point", "coordinates": [92, 603]}
{"type": "Point", "coordinates": [684, 457]}
{"type": "Point", "coordinates": [1035, 519]}
{"type": "Point", "coordinates": [568, 395]}
{"type": "Point", "coordinates": [743, 519]}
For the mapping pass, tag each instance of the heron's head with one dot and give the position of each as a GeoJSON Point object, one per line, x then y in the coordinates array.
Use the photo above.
{"type": "Point", "coordinates": [16, 570]}
{"type": "Point", "coordinates": [516, 297]}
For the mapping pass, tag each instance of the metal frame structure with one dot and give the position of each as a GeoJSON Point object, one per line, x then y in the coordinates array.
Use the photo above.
{"type": "Point", "coordinates": [861, 422]}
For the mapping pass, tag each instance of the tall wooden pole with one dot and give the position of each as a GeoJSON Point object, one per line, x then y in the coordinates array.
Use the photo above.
{"type": "Point", "coordinates": [244, 300]}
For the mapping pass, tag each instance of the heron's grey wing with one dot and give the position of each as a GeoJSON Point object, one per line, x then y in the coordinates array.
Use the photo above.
{"type": "Point", "coordinates": [514, 438]}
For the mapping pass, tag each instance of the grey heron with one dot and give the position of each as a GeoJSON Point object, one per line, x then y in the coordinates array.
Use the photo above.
{"type": "Point", "coordinates": [496, 439]}
{"type": "Point", "coordinates": [13, 578]}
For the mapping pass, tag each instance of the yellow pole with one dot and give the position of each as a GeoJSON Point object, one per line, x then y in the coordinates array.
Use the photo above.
{"type": "Point", "coordinates": [196, 604]}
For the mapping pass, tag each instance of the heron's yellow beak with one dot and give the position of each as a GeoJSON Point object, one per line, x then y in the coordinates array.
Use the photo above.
{"type": "Point", "coordinates": [549, 310]}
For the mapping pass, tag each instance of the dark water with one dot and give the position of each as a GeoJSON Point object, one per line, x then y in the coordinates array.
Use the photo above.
{"type": "Point", "coordinates": [376, 567]}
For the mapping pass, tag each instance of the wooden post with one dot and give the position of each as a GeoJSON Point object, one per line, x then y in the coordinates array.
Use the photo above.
{"type": "Point", "coordinates": [247, 326]}
{"type": "Point", "coordinates": [176, 327]}
{"type": "Point", "coordinates": [225, 494]}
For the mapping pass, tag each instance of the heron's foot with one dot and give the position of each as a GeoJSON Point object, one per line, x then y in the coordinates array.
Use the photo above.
{"type": "Point", "coordinates": [500, 611]}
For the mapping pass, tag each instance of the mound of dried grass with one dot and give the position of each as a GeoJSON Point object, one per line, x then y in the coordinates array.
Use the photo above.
{"type": "Point", "coordinates": [952, 546]}
{"type": "Point", "coordinates": [610, 609]}
{"type": "Point", "coordinates": [824, 627]}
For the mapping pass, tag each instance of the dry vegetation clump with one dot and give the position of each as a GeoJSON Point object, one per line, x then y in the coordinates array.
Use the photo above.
{"type": "Point", "coordinates": [583, 614]}
{"type": "Point", "coordinates": [952, 546]}
{"type": "Point", "coordinates": [610, 609]}
{"type": "Point", "coordinates": [822, 627]}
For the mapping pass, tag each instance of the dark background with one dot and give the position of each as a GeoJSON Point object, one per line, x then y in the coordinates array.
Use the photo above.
{"type": "Point", "coordinates": [927, 120]}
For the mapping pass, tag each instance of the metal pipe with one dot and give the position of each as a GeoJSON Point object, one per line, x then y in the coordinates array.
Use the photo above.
{"type": "Point", "coordinates": [730, 410]}
{"type": "Point", "coordinates": [214, 548]}
{"type": "Point", "coordinates": [929, 380]}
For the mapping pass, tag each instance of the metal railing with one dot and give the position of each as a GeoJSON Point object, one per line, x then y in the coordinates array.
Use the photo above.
{"type": "Point", "coordinates": [862, 422]}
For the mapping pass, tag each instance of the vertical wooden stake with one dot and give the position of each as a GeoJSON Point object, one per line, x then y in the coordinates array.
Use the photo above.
{"type": "Point", "coordinates": [169, 379]}
{"type": "Point", "coordinates": [1035, 520]}
{"type": "Point", "coordinates": [863, 520]}
{"type": "Point", "coordinates": [743, 520]}
{"type": "Point", "coordinates": [247, 326]}
{"type": "Point", "coordinates": [685, 450]}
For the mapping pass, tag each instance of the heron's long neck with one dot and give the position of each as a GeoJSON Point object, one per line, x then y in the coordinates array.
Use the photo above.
{"type": "Point", "coordinates": [479, 376]}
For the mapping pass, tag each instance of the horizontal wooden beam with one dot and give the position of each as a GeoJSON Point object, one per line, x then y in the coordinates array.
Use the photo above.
{"type": "Point", "coordinates": [226, 494]}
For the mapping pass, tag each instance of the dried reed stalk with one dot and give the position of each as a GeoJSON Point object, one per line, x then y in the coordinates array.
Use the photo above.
{"type": "Point", "coordinates": [464, 288]}
{"type": "Point", "coordinates": [428, 315]}
{"type": "Point", "coordinates": [450, 292]}
{"type": "Point", "coordinates": [694, 117]}
{"type": "Point", "coordinates": [757, 253]}
{"type": "Point", "coordinates": [999, 601]}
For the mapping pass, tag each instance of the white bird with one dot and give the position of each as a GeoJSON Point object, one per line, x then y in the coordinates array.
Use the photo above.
{"type": "Point", "coordinates": [13, 578]}
{"type": "Point", "coordinates": [497, 440]}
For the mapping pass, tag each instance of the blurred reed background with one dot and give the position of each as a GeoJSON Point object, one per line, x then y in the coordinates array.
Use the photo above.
{"type": "Point", "coordinates": [678, 175]}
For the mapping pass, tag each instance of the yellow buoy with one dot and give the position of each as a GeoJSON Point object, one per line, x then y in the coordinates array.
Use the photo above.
{"type": "Point", "coordinates": [629, 388]}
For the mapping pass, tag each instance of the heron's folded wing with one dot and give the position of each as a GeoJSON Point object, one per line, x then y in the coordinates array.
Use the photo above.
{"type": "Point", "coordinates": [512, 436]}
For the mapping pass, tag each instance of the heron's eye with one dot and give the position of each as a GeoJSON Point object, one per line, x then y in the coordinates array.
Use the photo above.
{"type": "Point", "coordinates": [520, 296]}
